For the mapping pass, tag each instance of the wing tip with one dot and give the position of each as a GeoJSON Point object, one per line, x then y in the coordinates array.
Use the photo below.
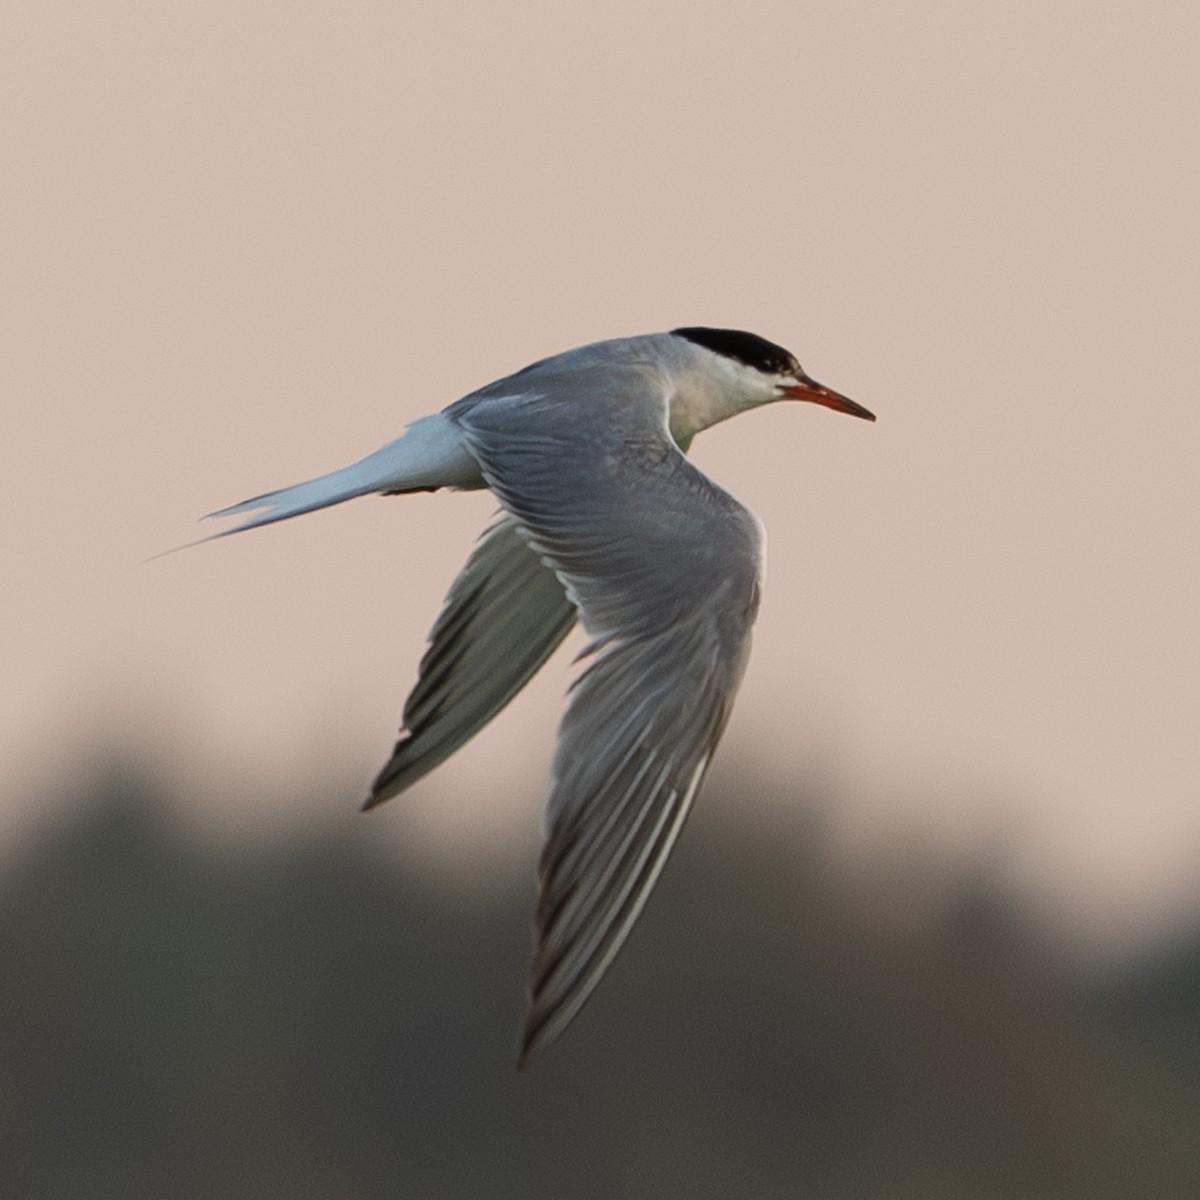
{"type": "Point", "coordinates": [400, 772]}
{"type": "Point", "coordinates": [538, 1032]}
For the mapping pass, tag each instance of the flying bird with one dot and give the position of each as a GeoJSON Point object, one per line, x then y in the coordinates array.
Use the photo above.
{"type": "Point", "coordinates": [603, 520]}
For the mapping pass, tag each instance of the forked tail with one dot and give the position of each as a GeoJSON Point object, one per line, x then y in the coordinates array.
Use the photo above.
{"type": "Point", "coordinates": [429, 455]}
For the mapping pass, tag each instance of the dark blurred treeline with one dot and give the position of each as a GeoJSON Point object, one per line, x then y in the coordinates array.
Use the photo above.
{"type": "Point", "coordinates": [316, 1020]}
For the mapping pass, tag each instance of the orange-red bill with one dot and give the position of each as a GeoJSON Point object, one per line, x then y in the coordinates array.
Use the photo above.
{"type": "Point", "coordinates": [818, 393]}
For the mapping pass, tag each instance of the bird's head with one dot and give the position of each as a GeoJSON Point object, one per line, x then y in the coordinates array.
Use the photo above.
{"type": "Point", "coordinates": [756, 372]}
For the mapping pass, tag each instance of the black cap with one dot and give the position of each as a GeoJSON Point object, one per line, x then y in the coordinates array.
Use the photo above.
{"type": "Point", "coordinates": [746, 348]}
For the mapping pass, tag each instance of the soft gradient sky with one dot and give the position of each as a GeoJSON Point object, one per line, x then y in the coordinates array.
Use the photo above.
{"type": "Point", "coordinates": [241, 244]}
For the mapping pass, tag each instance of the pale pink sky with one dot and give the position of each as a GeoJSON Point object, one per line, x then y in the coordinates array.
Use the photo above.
{"type": "Point", "coordinates": [241, 244]}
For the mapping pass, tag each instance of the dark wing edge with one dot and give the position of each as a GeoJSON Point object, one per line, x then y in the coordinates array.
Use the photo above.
{"type": "Point", "coordinates": [634, 748]}
{"type": "Point", "coordinates": [504, 615]}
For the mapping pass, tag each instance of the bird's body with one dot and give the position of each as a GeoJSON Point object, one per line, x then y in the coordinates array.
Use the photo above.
{"type": "Point", "coordinates": [604, 520]}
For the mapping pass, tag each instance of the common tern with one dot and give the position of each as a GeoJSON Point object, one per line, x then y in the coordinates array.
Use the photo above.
{"type": "Point", "coordinates": [603, 520]}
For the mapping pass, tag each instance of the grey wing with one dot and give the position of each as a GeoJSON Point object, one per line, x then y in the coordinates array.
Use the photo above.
{"type": "Point", "coordinates": [505, 614]}
{"type": "Point", "coordinates": [665, 569]}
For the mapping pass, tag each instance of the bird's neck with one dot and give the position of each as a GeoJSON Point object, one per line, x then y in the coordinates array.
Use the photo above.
{"type": "Point", "coordinates": [694, 409]}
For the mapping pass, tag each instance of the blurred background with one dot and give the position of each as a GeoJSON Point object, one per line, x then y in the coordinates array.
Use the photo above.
{"type": "Point", "coordinates": [934, 929]}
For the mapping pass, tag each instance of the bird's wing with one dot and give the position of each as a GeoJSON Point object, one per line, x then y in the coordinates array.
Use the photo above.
{"type": "Point", "coordinates": [665, 569]}
{"type": "Point", "coordinates": [504, 616]}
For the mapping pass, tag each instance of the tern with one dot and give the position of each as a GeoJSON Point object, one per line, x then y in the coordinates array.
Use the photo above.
{"type": "Point", "coordinates": [603, 520]}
